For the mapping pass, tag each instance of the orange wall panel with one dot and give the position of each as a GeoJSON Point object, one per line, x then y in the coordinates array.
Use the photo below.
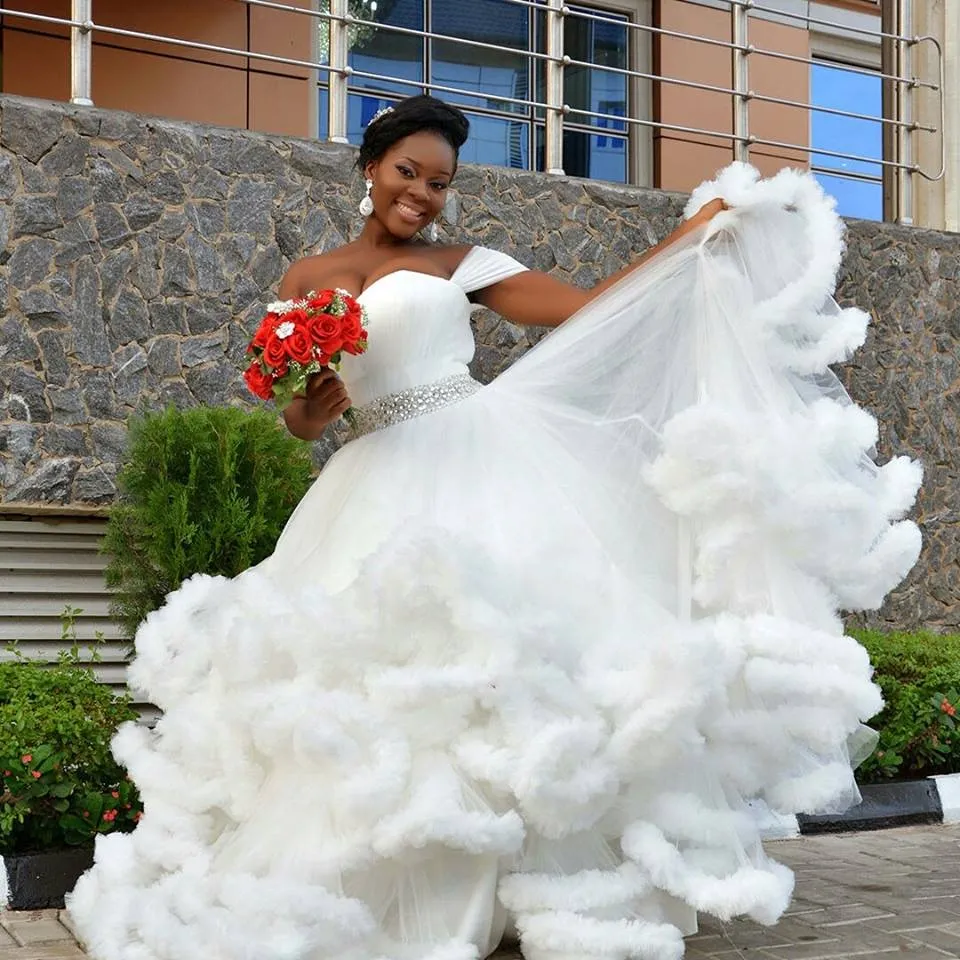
{"type": "Point", "coordinates": [35, 65]}
{"type": "Point", "coordinates": [281, 105]}
{"type": "Point", "coordinates": [283, 34]}
{"type": "Point", "coordinates": [785, 79]}
{"type": "Point", "coordinates": [168, 87]}
{"type": "Point", "coordinates": [220, 23]}
{"type": "Point", "coordinates": [163, 79]}
{"type": "Point", "coordinates": [684, 159]}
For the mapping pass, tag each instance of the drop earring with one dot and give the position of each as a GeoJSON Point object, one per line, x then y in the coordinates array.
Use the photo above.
{"type": "Point", "coordinates": [433, 232]}
{"type": "Point", "coordinates": [366, 204]}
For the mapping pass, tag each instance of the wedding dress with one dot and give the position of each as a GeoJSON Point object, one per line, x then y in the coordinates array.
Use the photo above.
{"type": "Point", "coordinates": [525, 653]}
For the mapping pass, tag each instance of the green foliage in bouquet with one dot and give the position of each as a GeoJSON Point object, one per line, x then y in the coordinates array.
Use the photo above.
{"type": "Point", "coordinates": [59, 783]}
{"type": "Point", "coordinates": [205, 490]}
{"type": "Point", "coordinates": [919, 674]}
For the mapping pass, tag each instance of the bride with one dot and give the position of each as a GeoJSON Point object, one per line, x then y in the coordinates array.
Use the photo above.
{"type": "Point", "coordinates": [526, 653]}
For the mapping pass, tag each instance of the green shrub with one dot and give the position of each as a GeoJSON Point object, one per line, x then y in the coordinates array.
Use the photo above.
{"type": "Point", "coordinates": [206, 490]}
{"type": "Point", "coordinates": [919, 674]}
{"type": "Point", "coordinates": [59, 784]}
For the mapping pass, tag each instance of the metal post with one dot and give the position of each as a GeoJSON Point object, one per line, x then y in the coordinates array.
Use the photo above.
{"type": "Point", "coordinates": [339, 71]}
{"type": "Point", "coordinates": [553, 134]}
{"type": "Point", "coordinates": [907, 112]}
{"type": "Point", "coordinates": [81, 53]}
{"type": "Point", "coordinates": [890, 100]}
{"type": "Point", "coordinates": [739, 16]}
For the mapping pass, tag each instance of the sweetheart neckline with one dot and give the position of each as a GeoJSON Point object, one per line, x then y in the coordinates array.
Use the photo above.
{"type": "Point", "coordinates": [418, 273]}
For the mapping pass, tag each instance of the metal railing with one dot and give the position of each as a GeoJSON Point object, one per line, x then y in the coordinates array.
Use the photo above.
{"type": "Point", "coordinates": [554, 115]}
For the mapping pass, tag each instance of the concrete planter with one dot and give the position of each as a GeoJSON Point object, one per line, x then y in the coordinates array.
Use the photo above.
{"type": "Point", "coordinates": [40, 881]}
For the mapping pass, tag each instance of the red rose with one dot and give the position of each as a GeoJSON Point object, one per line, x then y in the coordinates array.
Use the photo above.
{"type": "Point", "coordinates": [321, 301]}
{"type": "Point", "coordinates": [259, 383]}
{"type": "Point", "coordinates": [352, 327]}
{"type": "Point", "coordinates": [325, 331]}
{"type": "Point", "coordinates": [298, 316]}
{"type": "Point", "coordinates": [267, 325]}
{"type": "Point", "coordinates": [274, 352]}
{"type": "Point", "coordinates": [299, 346]}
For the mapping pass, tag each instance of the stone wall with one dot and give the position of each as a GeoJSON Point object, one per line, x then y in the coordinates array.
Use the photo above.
{"type": "Point", "coordinates": [138, 253]}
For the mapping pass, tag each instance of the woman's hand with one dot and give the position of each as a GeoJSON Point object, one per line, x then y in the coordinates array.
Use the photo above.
{"type": "Point", "coordinates": [326, 396]}
{"type": "Point", "coordinates": [707, 212]}
{"type": "Point", "coordinates": [326, 399]}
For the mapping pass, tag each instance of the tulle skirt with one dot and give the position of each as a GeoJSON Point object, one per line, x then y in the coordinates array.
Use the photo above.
{"type": "Point", "coordinates": [528, 659]}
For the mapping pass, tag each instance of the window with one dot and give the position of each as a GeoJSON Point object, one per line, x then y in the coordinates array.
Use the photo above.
{"type": "Point", "coordinates": [497, 85]}
{"type": "Point", "coordinates": [856, 184]}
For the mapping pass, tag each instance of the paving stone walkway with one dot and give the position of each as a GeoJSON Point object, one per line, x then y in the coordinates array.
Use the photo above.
{"type": "Point", "coordinates": [891, 894]}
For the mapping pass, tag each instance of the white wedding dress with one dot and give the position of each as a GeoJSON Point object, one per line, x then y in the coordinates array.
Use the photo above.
{"type": "Point", "coordinates": [525, 653]}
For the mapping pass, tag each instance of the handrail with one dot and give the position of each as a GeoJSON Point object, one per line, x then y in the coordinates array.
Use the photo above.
{"type": "Point", "coordinates": [340, 76]}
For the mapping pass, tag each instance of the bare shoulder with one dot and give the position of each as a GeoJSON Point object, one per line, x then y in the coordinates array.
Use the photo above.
{"type": "Point", "coordinates": [452, 256]}
{"type": "Point", "coordinates": [313, 272]}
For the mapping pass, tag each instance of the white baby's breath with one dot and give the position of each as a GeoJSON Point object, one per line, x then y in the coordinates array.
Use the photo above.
{"type": "Point", "coordinates": [280, 306]}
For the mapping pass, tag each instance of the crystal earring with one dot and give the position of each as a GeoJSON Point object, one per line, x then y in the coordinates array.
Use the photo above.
{"type": "Point", "coordinates": [433, 232]}
{"type": "Point", "coordinates": [366, 204]}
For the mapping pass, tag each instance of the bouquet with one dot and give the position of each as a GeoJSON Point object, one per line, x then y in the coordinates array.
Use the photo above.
{"type": "Point", "coordinates": [298, 338]}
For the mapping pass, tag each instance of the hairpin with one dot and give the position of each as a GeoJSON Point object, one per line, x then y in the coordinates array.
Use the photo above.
{"type": "Point", "coordinates": [380, 113]}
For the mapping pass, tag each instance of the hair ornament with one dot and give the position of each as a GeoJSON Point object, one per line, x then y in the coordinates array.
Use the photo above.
{"type": "Point", "coordinates": [380, 113]}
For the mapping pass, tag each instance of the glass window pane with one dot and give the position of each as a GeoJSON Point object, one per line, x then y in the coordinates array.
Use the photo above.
{"type": "Point", "coordinates": [595, 42]}
{"type": "Point", "coordinates": [589, 155]}
{"type": "Point", "coordinates": [385, 52]}
{"type": "Point", "coordinates": [497, 142]}
{"type": "Point", "coordinates": [360, 110]}
{"type": "Point", "coordinates": [855, 198]}
{"type": "Point", "coordinates": [324, 127]}
{"type": "Point", "coordinates": [477, 69]}
{"type": "Point", "coordinates": [832, 86]}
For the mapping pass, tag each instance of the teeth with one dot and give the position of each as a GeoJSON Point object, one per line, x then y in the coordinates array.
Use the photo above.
{"type": "Point", "coordinates": [410, 210]}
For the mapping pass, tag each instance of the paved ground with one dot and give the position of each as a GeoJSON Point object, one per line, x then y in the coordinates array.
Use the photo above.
{"type": "Point", "coordinates": [891, 894]}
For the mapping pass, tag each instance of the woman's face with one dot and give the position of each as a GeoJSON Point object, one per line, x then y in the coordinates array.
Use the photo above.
{"type": "Point", "coordinates": [410, 182]}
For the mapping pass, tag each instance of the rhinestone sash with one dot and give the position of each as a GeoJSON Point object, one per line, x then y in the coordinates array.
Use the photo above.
{"type": "Point", "coordinates": [414, 402]}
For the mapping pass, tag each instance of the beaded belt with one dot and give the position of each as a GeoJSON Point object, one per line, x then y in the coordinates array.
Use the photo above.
{"type": "Point", "coordinates": [414, 402]}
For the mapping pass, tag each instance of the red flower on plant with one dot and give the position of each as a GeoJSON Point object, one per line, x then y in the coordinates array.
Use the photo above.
{"type": "Point", "coordinates": [110, 816]}
{"type": "Point", "coordinates": [27, 758]}
{"type": "Point", "coordinates": [114, 794]}
{"type": "Point", "coordinates": [36, 774]}
{"type": "Point", "coordinates": [948, 708]}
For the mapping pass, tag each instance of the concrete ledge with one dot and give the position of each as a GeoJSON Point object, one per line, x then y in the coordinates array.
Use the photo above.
{"type": "Point", "coordinates": [883, 805]}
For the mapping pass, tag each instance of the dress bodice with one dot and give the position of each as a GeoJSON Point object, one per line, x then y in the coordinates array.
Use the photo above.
{"type": "Point", "coordinates": [419, 326]}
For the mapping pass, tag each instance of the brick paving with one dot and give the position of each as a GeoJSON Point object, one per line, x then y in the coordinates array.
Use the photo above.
{"type": "Point", "coordinates": [891, 894]}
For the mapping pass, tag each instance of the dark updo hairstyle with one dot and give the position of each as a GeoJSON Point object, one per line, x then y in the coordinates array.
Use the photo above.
{"type": "Point", "coordinates": [414, 115]}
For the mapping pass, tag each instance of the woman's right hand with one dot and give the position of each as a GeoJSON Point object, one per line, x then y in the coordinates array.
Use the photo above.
{"type": "Point", "coordinates": [326, 399]}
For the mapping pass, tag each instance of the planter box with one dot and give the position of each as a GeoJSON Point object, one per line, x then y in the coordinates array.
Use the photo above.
{"type": "Point", "coordinates": [39, 881]}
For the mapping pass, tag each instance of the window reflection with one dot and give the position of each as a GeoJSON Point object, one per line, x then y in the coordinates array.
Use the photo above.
{"type": "Point", "coordinates": [505, 131]}
{"type": "Point", "coordinates": [495, 72]}
{"type": "Point", "coordinates": [856, 184]}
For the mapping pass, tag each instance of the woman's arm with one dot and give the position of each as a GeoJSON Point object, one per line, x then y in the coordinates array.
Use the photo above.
{"type": "Point", "coordinates": [537, 299]}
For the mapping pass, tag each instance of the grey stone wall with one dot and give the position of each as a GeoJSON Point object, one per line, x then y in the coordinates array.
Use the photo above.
{"type": "Point", "coordinates": [137, 255]}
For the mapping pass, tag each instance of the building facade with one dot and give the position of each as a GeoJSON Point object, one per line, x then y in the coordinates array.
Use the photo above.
{"type": "Point", "coordinates": [655, 93]}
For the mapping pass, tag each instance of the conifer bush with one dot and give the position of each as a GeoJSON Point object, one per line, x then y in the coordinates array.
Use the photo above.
{"type": "Point", "coordinates": [204, 490]}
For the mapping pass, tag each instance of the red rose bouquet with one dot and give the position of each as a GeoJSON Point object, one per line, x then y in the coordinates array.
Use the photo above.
{"type": "Point", "coordinates": [298, 338]}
